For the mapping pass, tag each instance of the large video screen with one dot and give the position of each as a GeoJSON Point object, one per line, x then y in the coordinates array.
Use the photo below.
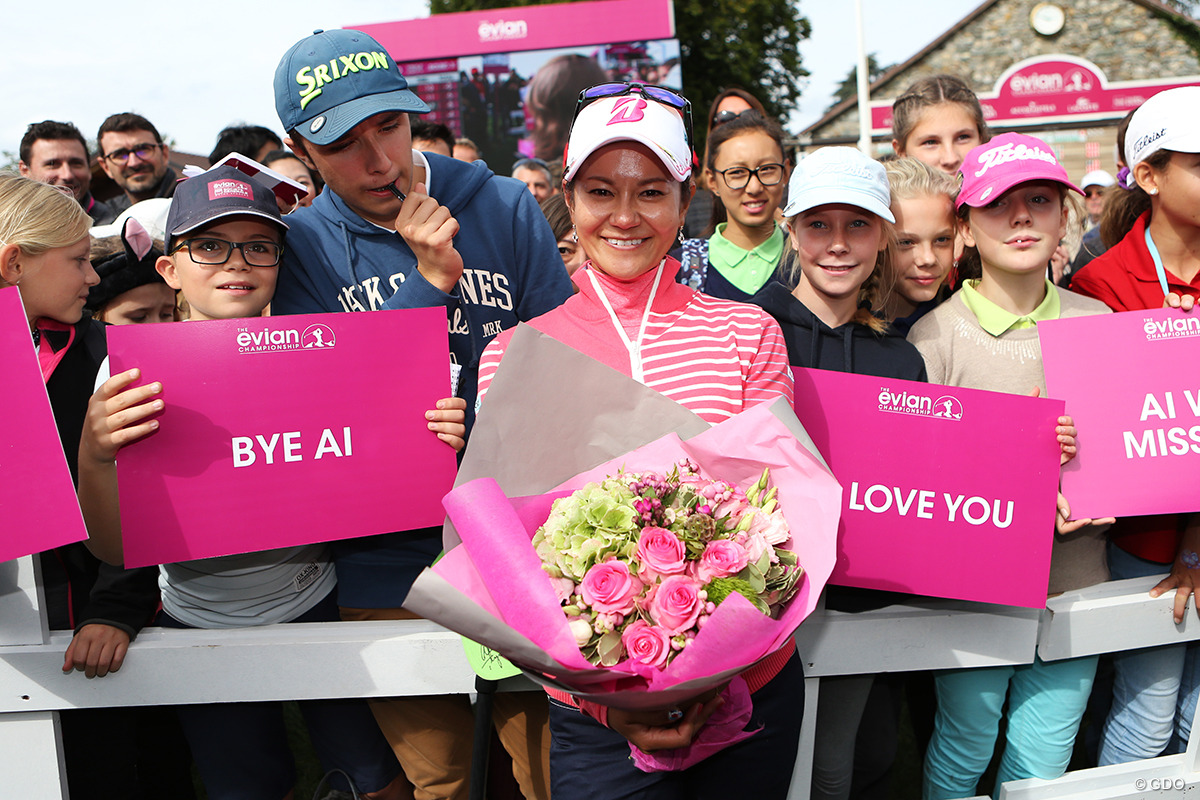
{"type": "Point", "coordinates": [520, 104]}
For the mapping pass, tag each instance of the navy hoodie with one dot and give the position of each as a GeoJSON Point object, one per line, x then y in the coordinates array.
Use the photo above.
{"type": "Point", "coordinates": [337, 261]}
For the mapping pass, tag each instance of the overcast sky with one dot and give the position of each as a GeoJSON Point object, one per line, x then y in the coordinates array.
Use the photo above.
{"type": "Point", "coordinates": [199, 67]}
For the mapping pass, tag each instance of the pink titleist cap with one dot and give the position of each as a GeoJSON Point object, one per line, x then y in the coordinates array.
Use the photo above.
{"type": "Point", "coordinates": [992, 169]}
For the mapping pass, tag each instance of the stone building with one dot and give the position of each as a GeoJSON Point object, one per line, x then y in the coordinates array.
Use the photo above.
{"type": "Point", "coordinates": [1064, 71]}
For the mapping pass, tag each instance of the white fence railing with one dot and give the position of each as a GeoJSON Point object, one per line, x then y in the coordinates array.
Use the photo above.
{"type": "Point", "coordinates": [380, 659]}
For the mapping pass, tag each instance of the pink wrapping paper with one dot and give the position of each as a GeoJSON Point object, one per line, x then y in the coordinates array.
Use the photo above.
{"type": "Point", "coordinates": [498, 572]}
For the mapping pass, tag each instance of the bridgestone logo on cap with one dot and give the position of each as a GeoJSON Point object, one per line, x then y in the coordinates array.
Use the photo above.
{"type": "Point", "coordinates": [218, 190]}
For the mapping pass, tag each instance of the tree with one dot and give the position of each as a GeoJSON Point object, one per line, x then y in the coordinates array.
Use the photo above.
{"type": "Point", "coordinates": [849, 86]}
{"type": "Point", "coordinates": [754, 44]}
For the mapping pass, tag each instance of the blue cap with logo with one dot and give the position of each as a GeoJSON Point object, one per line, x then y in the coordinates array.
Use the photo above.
{"type": "Point", "coordinates": [329, 82]}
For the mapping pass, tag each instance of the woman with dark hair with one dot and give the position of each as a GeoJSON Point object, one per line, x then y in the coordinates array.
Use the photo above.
{"type": "Point", "coordinates": [747, 171]}
{"type": "Point", "coordinates": [627, 182]}
{"type": "Point", "coordinates": [704, 215]}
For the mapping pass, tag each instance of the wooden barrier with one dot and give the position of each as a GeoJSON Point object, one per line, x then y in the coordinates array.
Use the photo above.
{"type": "Point", "coordinates": [380, 659]}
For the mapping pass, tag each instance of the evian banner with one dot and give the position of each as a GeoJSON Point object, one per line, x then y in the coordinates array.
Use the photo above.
{"type": "Point", "coordinates": [1053, 88]}
{"type": "Point", "coordinates": [281, 431]}
{"type": "Point", "coordinates": [1136, 405]}
{"type": "Point", "coordinates": [504, 30]}
{"type": "Point", "coordinates": [38, 510]}
{"type": "Point", "coordinates": [946, 491]}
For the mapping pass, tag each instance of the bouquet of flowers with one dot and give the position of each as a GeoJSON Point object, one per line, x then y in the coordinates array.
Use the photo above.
{"type": "Point", "coordinates": [642, 560]}
{"type": "Point", "coordinates": [632, 544]}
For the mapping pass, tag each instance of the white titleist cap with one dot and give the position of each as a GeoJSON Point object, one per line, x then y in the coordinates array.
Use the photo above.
{"type": "Point", "coordinates": [1168, 121]}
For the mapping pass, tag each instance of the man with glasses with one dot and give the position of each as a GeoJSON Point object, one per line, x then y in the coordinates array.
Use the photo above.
{"type": "Point", "coordinates": [397, 228]}
{"type": "Point", "coordinates": [56, 153]}
{"type": "Point", "coordinates": [134, 156]}
{"type": "Point", "coordinates": [535, 174]}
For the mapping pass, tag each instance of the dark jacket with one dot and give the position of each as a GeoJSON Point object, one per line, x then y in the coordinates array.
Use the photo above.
{"type": "Point", "coordinates": [80, 589]}
{"type": "Point", "coordinates": [848, 348]}
{"type": "Point", "coordinates": [165, 188]}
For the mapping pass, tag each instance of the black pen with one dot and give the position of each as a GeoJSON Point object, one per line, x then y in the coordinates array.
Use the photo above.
{"type": "Point", "coordinates": [399, 194]}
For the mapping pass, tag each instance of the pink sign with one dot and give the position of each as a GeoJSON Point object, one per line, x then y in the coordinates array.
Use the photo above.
{"type": "Point", "coordinates": [37, 497]}
{"type": "Point", "coordinates": [507, 30]}
{"type": "Point", "coordinates": [1047, 89]}
{"type": "Point", "coordinates": [946, 491]}
{"type": "Point", "coordinates": [282, 431]}
{"type": "Point", "coordinates": [1137, 408]}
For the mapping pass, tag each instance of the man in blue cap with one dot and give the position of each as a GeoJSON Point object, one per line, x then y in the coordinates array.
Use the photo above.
{"type": "Point", "coordinates": [396, 228]}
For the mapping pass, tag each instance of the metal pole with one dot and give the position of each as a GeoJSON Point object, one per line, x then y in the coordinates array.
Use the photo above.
{"type": "Point", "coordinates": [864, 91]}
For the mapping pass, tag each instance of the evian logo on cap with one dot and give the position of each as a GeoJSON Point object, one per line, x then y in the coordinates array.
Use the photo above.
{"type": "Point", "coordinates": [922, 405]}
{"type": "Point", "coordinates": [316, 124]}
{"type": "Point", "coordinates": [218, 190]}
{"type": "Point", "coordinates": [1011, 152]}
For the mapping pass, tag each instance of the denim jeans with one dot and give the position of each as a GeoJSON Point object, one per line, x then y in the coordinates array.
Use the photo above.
{"type": "Point", "coordinates": [1154, 688]}
{"type": "Point", "coordinates": [1045, 704]}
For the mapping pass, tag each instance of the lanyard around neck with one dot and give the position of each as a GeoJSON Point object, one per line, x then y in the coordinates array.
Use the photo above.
{"type": "Point", "coordinates": [1158, 263]}
{"type": "Point", "coordinates": [636, 370]}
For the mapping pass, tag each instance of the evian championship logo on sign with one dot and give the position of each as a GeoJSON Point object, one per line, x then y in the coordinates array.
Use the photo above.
{"type": "Point", "coordinates": [279, 339]}
{"type": "Point", "coordinates": [922, 405]}
{"type": "Point", "coordinates": [1173, 328]}
{"type": "Point", "coordinates": [502, 29]}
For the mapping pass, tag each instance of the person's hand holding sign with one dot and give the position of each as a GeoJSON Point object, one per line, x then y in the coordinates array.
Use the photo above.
{"type": "Point", "coordinates": [429, 230]}
{"type": "Point", "coordinates": [1184, 303]}
{"type": "Point", "coordinates": [1185, 572]}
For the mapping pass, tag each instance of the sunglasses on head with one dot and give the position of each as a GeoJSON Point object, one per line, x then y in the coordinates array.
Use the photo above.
{"type": "Point", "coordinates": [659, 94]}
{"type": "Point", "coordinates": [727, 116]}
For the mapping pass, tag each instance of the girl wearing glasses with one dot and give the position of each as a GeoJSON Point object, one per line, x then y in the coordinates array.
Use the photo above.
{"type": "Point", "coordinates": [746, 170]}
{"type": "Point", "coordinates": [627, 183]}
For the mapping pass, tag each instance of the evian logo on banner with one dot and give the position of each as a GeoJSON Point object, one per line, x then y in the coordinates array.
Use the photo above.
{"type": "Point", "coordinates": [229, 188]}
{"type": "Point", "coordinates": [502, 29]}
{"type": "Point", "coordinates": [922, 405]}
{"type": "Point", "coordinates": [278, 339]}
{"type": "Point", "coordinates": [1174, 328]}
{"type": "Point", "coordinates": [1011, 152]}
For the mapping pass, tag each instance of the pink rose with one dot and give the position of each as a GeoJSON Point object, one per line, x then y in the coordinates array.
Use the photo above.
{"type": "Point", "coordinates": [609, 588]}
{"type": "Point", "coordinates": [646, 644]}
{"type": "Point", "coordinates": [733, 508]}
{"type": "Point", "coordinates": [660, 552]}
{"type": "Point", "coordinates": [722, 557]}
{"type": "Point", "coordinates": [676, 604]}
